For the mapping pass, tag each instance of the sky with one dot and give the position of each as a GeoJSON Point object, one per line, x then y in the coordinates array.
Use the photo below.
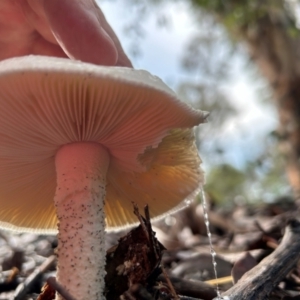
{"type": "Point", "coordinates": [161, 50]}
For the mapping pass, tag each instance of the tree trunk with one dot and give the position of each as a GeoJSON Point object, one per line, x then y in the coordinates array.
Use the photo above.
{"type": "Point", "coordinates": [276, 54]}
{"type": "Point", "coordinates": [269, 32]}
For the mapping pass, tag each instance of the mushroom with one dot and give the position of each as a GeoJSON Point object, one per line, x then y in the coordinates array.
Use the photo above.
{"type": "Point", "coordinates": [75, 136]}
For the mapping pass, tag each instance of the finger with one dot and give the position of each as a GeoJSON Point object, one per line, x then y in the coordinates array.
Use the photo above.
{"type": "Point", "coordinates": [123, 60]}
{"type": "Point", "coordinates": [35, 16]}
{"type": "Point", "coordinates": [76, 27]}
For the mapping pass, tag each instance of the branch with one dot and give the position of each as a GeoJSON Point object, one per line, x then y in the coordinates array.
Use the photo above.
{"type": "Point", "coordinates": [25, 286]}
{"type": "Point", "coordinates": [191, 288]}
{"type": "Point", "coordinates": [260, 281]}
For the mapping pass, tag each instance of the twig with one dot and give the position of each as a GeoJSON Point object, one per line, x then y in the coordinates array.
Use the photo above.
{"type": "Point", "coordinates": [169, 283]}
{"type": "Point", "coordinates": [188, 298]}
{"type": "Point", "coordinates": [136, 291]}
{"type": "Point", "coordinates": [13, 273]}
{"type": "Point", "coordinates": [25, 286]}
{"type": "Point", "coordinates": [219, 281]}
{"type": "Point", "coordinates": [150, 234]}
{"type": "Point", "coordinates": [154, 249]}
{"type": "Point", "coordinates": [191, 288]}
{"type": "Point", "coordinates": [140, 218]}
{"type": "Point", "coordinates": [147, 228]}
{"type": "Point", "coordinates": [260, 281]}
{"type": "Point", "coordinates": [60, 289]}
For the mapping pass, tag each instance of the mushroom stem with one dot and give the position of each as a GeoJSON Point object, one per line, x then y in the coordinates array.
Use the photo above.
{"type": "Point", "coordinates": [79, 200]}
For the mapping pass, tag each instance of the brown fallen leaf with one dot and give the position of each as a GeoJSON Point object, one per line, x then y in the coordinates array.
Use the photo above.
{"type": "Point", "coordinates": [243, 265]}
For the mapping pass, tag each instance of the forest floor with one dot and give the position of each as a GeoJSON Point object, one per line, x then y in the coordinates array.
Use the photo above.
{"type": "Point", "coordinates": [175, 261]}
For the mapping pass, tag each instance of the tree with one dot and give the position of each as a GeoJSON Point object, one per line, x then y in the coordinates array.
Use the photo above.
{"type": "Point", "coordinates": [229, 32]}
{"type": "Point", "coordinates": [269, 31]}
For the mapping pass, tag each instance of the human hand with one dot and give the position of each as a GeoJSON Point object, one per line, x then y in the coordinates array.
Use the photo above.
{"type": "Point", "coordinates": [65, 28]}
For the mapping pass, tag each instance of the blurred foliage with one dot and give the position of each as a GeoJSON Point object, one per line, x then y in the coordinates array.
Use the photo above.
{"type": "Point", "coordinates": [237, 15]}
{"type": "Point", "coordinates": [209, 57]}
{"type": "Point", "coordinates": [225, 183]}
{"type": "Point", "coordinates": [260, 180]}
{"type": "Point", "coordinates": [264, 178]}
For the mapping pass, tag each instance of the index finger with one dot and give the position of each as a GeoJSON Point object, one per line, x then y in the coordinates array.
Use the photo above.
{"type": "Point", "coordinates": [78, 31]}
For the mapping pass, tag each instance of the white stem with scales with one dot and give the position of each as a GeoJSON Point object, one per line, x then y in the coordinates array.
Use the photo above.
{"type": "Point", "coordinates": [79, 200]}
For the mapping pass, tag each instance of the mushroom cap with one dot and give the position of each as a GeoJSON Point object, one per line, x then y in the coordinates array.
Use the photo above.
{"type": "Point", "coordinates": [49, 102]}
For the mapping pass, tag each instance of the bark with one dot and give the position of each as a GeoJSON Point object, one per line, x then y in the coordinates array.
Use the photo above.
{"type": "Point", "coordinates": [260, 281]}
{"type": "Point", "coordinates": [274, 51]}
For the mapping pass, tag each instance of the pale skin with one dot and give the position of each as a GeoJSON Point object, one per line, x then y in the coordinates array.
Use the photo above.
{"type": "Point", "coordinates": [42, 27]}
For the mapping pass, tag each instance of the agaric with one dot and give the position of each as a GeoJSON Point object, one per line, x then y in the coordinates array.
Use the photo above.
{"type": "Point", "coordinates": [75, 136]}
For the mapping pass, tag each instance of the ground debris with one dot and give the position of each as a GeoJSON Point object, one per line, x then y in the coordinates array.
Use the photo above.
{"type": "Point", "coordinates": [48, 292]}
{"type": "Point", "coordinates": [262, 279]}
{"type": "Point", "coordinates": [243, 237]}
{"type": "Point", "coordinates": [134, 262]}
